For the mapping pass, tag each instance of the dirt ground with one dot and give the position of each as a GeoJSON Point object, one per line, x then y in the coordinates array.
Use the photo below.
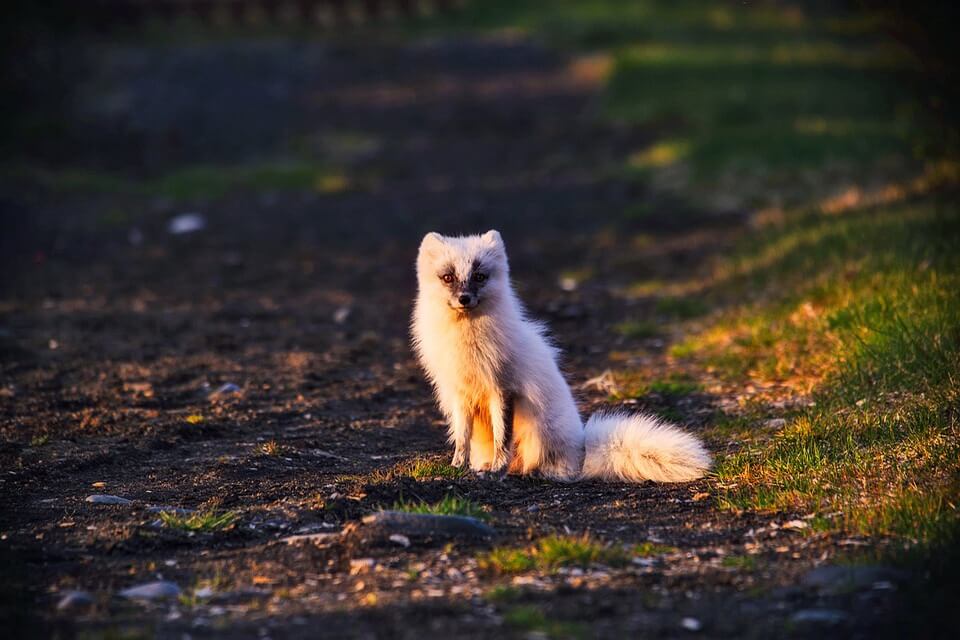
{"type": "Point", "coordinates": [114, 331]}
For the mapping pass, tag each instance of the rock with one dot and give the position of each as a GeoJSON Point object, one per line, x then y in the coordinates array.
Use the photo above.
{"type": "Point", "coordinates": [312, 538]}
{"type": "Point", "coordinates": [159, 590]}
{"type": "Point", "coordinates": [828, 617]}
{"type": "Point", "coordinates": [840, 579]}
{"type": "Point", "coordinates": [422, 527]}
{"type": "Point", "coordinates": [225, 390]}
{"type": "Point", "coordinates": [775, 423]}
{"type": "Point", "coordinates": [691, 624]}
{"type": "Point", "coordinates": [400, 539]}
{"type": "Point", "coordinates": [75, 601]}
{"type": "Point", "coordinates": [186, 223]}
{"type": "Point", "coordinates": [341, 315]}
{"type": "Point", "coordinates": [102, 498]}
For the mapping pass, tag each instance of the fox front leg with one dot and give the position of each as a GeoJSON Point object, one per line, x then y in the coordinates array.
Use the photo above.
{"type": "Point", "coordinates": [501, 416]}
{"type": "Point", "coordinates": [461, 430]}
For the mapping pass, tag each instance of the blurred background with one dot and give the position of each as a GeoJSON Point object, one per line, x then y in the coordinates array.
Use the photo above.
{"type": "Point", "coordinates": [740, 215]}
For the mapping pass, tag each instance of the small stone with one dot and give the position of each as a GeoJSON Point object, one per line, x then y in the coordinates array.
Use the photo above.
{"type": "Point", "coordinates": [691, 624]}
{"type": "Point", "coordinates": [819, 616]}
{"type": "Point", "coordinates": [533, 508]}
{"type": "Point", "coordinates": [102, 498]}
{"type": "Point", "coordinates": [159, 590]}
{"type": "Point", "coordinates": [400, 539]}
{"type": "Point", "coordinates": [186, 223]}
{"type": "Point", "coordinates": [775, 423]}
{"type": "Point", "coordinates": [225, 390]}
{"type": "Point", "coordinates": [341, 315]}
{"type": "Point", "coordinates": [204, 593]}
{"type": "Point", "coordinates": [795, 524]}
{"type": "Point", "coordinates": [424, 527]}
{"type": "Point", "coordinates": [75, 601]}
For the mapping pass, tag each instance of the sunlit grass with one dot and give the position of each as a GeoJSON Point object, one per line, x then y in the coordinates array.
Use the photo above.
{"type": "Point", "coordinates": [450, 505]}
{"type": "Point", "coordinates": [859, 311]}
{"type": "Point", "coordinates": [200, 522]}
{"type": "Point", "coordinates": [552, 552]}
{"type": "Point", "coordinates": [420, 469]}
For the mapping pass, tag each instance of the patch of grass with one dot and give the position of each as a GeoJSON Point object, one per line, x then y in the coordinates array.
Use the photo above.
{"type": "Point", "coordinates": [189, 183]}
{"type": "Point", "coordinates": [502, 593]}
{"type": "Point", "coordinates": [638, 329]}
{"type": "Point", "coordinates": [650, 549]}
{"type": "Point", "coordinates": [858, 310]}
{"type": "Point", "coordinates": [271, 448]}
{"type": "Point", "coordinates": [743, 563]}
{"type": "Point", "coordinates": [449, 506]}
{"type": "Point", "coordinates": [674, 385]}
{"type": "Point", "coordinates": [682, 308]}
{"type": "Point", "coordinates": [194, 418]}
{"type": "Point", "coordinates": [420, 469]}
{"type": "Point", "coordinates": [199, 522]}
{"type": "Point", "coordinates": [552, 552]}
{"type": "Point", "coordinates": [532, 620]}
{"type": "Point", "coordinates": [39, 440]}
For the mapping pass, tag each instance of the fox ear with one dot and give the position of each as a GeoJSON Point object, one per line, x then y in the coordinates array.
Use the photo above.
{"type": "Point", "coordinates": [492, 238]}
{"type": "Point", "coordinates": [431, 242]}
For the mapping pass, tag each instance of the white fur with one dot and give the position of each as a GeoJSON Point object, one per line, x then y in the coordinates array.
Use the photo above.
{"type": "Point", "coordinates": [478, 357]}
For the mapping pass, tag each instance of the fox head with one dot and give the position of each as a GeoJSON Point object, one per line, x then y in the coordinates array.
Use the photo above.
{"type": "Point", "coordinates": [466, 272]}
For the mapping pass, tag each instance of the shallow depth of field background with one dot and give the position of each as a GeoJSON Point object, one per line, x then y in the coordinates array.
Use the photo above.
{"type": "Point", "coordinates": [739, 216]}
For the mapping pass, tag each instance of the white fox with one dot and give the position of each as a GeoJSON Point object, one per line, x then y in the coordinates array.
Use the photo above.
{"type": "Point", "coordinates": [497, 381]}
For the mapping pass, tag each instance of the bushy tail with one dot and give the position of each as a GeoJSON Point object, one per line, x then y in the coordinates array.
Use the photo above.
{"type": "Point", "coordinates": [637, 447]}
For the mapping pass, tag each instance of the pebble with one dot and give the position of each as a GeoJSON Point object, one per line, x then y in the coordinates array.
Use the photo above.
{"type": "Point", "coordinates": [158, 590]}
{"type": "Point", "coordinates": [691, 624]}
{"type": "Point", "coordinates": [102, 498]}
{"type": "Point", "coordinates": [74, 601]}
{"type": "Point", "coordinates": [421, 526]}
{"type": "Point", "coordinates": [819, 616]}
{"type": "Point", "coordinates": [775, 423]}
{"type": "Point", "coordinates": [186, 223]}
{"type": "Point", "coordinates": [225, 389]}
{"type": "Point", "coordinates": [400, 539]}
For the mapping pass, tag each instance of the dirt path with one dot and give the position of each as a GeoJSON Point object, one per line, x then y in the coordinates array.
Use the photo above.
{"type": "Point", "coordinates": [114, 332]}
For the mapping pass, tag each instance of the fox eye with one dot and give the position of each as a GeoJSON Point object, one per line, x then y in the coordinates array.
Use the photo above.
{"type": "Point", "coordinates": [479, 277]}
{"type": "Point", "coordinates": [447, 277]}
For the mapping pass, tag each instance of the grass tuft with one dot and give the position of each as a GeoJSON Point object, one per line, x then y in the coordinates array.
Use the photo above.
{"type": "Point", "coordinates": [553, 552]}
{"type": "Point", "coordinates": [449, 506]}
{"type": "Point", "coordinates": [199, 522]}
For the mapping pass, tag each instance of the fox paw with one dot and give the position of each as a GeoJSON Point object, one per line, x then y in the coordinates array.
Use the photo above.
{"type": "Point", "coordinates": [459, 459]}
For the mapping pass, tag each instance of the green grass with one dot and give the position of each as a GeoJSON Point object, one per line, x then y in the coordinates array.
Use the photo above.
{"type": "Point", "coordinates": [860, 311]}
{"type": "Point", "coordinates": [552, 552]}
{"type": "Point", "coordinates": [188, 183]}
{"type": "Point", "coordinates": [638, 329]}
{"type": "Point", "coordinates": [755, 104]}
{"type": "Point", "coordinates": [743, 563]}
{"type": "Point", "coordinates": [199, 522]}
{"type": "Point", "coordinates": [420, 469]}
{"type": "Point", "coordinates": [531, 619]}
{"type": "Point", "coordinates": [449, 506]}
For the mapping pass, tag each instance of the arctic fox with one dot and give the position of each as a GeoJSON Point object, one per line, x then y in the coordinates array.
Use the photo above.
{"type": "Point", "coordinates": [497, 381]}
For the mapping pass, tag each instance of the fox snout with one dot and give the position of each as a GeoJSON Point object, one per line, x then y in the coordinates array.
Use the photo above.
{"type": "Point", "coordinates": [464, 300]}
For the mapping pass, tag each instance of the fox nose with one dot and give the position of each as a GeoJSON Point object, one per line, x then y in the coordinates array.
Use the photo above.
{"type": "Point", "coordinates": [465, 299]}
